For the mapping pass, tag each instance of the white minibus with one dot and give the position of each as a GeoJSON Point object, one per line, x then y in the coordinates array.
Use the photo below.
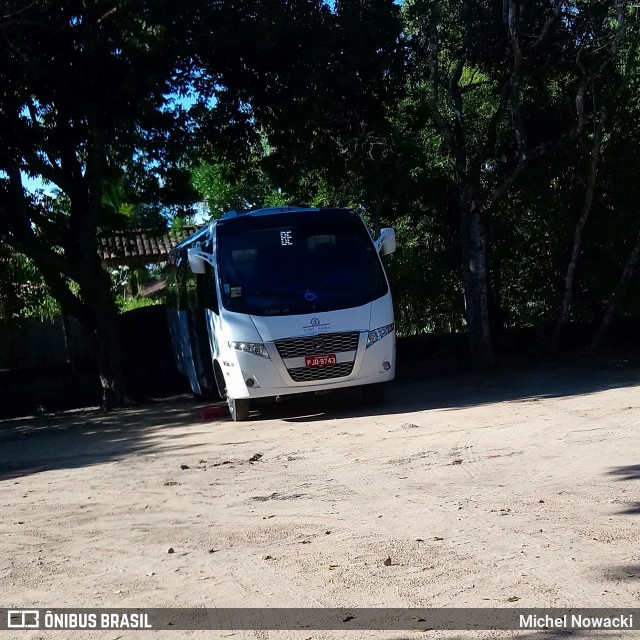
{"type": "Point", "coordinates": [296, 300]}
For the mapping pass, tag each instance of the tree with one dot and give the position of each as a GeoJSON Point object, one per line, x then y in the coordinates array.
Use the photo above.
{"type": "Point", "coordinates": [305, 91]}
{"type": "Point", "coordinates": [84, 94]}
{"type": "Point", "coordinates": [603, 34]}
{"type": "Point", "coordinates": [484, 77]}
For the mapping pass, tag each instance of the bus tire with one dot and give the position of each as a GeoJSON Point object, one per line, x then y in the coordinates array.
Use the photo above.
{"type": "Point", "coordinates": [373, 393]}
{"type": "Point", "coordinates": [238, 409]}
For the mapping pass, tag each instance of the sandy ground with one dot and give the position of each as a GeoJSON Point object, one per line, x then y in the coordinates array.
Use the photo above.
{"type": "Point", "coordinates": [514, 487]}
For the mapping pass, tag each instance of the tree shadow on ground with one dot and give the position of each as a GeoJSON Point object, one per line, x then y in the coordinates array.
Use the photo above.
{"type": "Point", "coordinates": [455, 392]}
{"type": "Point", "coordinates": [632, 509]}
{"type": "Point", "coordinates": [88, 437]}
{"type": "Point", "coordinates": [628, 472]}
{"type": "Point", "coordinates": [623, 572]}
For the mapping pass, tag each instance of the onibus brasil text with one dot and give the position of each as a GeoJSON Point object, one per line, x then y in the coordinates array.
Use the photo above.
{"type": "Point", "coordinates": [96, 621]}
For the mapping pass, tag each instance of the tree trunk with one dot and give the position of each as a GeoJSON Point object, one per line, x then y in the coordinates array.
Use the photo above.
{"type": "Point", "coordinates": [616, 296]}
{"type": "Point", "coordinates": [572, 267]}
{"type": "Point", "coordinates": [96, 310]}
{"type": "Point", "coordinates": [110, 363]}
{"type": "Point", "coordinates": [96, 291]}
{"type": "Point", "coordinates": [66, 329]}
{"type": "Point", "coordinates": [474, 247]}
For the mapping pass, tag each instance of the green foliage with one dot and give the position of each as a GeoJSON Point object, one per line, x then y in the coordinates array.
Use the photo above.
{"type": "Point", "coordinates": [222, 191]}
{"type": "Point", "coordinates": [426, 288]}
{"type": "Point", "coordinates": [137, 302]}
{"type": "Point", "coordinates": [23, 293]}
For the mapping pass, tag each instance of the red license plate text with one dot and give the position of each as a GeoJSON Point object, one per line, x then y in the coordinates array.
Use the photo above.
{"type": "Point", "coordinates": [320, 361]}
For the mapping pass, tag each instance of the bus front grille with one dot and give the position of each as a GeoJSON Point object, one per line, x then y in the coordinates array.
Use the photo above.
{"type": "Point", "coordinates": [321, 344]}
{"type": "Point", "coordinates": [309, 374]}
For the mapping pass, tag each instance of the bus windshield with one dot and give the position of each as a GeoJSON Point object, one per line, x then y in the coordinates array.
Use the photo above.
{"type": "Point", "coordinates": [297, 262]}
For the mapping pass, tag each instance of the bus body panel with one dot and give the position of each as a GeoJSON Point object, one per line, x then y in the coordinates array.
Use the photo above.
{"type": "Point", "coordinates": [183, 343]}
{"type": "Point", "coordinates": [314, 324]}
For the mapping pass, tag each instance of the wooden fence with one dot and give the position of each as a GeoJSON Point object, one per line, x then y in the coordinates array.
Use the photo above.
{"type": "Point", "coordinates": [35, 343]}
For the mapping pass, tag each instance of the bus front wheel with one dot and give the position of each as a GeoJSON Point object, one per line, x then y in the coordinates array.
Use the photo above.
{"type": "Point", "coordinates": [238, 408]}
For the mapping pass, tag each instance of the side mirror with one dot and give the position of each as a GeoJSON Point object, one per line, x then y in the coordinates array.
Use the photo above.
{"type": "Point", "coordinates": [197, 260]}
{"type": "Point", "coordinates": [386, 243]}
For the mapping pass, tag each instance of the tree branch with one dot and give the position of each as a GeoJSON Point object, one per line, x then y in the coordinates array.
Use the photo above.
{"type": "Point", "coordinates": [454, 98]}
{"type": "Point", "coordinates": [616, 297]}
{"type": "Point", "coordinates": [445, 129]}
{"type": "Point", "coordinates": [501, 189]}
{"type": "Point", "coordinates": [567, 298]}
{"type": "Point", "coordinates": [492, 129]}
{"type": "Point", "coordinates": [105, 16]}
{"type": "Point", "coordinates": [434, 50]}
{"type": "Point", "coordinates": [511, 13]}
{"type": "Point", "coordinates": [548, 24]}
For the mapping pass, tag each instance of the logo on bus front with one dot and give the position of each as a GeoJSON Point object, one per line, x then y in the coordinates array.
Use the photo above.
{"type": "Point", "coordinates": [315, 327]}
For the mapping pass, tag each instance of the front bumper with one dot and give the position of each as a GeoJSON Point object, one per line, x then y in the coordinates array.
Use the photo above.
{"type": "Point", "coordinates": [252, 376]}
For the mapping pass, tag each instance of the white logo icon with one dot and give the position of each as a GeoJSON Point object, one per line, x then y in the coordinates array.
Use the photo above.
{"type": "Point", "coordinates": [23, 619]}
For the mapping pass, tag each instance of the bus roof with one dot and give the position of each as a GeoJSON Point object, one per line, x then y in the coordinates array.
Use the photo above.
{"type": "Point", "coordinates": [267, 211]}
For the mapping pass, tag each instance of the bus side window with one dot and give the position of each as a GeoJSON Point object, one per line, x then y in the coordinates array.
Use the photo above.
{"type": "Point", "coordinates": [207, 295]}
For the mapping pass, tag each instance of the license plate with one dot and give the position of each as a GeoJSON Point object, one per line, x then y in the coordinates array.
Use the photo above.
{"type": "Point", "coordinates": [320, 361]}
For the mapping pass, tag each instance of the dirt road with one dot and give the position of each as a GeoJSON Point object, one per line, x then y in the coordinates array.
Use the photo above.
{"type": "Point", "coordinates": [515, 487]}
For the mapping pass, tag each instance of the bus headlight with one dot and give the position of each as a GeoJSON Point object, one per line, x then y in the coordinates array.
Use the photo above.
{"type": "Point", "coordinates": [257, 348]}
{"type": "Point", "coordinates": [380, 333]}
